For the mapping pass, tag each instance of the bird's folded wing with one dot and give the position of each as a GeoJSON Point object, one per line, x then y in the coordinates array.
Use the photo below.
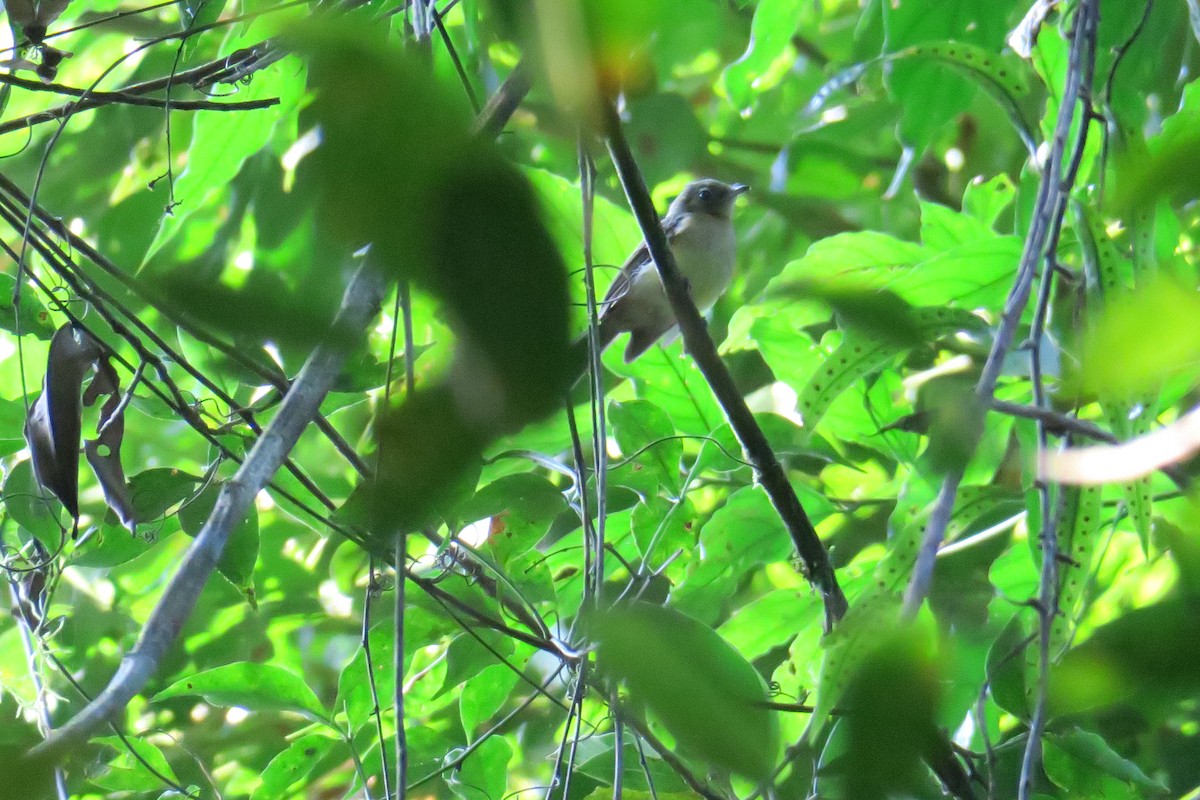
{"type": "Point", "coordinates": [639, 257]}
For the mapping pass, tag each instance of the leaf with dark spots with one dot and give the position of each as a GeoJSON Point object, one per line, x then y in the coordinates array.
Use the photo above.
{"type": "Point", "coordinates": [53, 428]}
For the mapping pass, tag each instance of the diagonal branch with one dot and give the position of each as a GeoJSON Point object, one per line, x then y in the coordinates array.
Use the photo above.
{"type": "Point", "coordinates": [1040, 243]}
{"type": "Point", "coordinates": [769, 471]}
{"type": "Point", "coordinates": [300, 405]}
{"type": "Point", "coordinates": [360, 303]}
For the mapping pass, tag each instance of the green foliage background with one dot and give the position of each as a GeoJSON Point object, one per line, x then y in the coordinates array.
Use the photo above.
{"type": "Point", "coordinates": [892, 149]}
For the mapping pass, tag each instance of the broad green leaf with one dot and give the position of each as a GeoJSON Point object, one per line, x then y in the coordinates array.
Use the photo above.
{"type": "Point", "coordinates": [987, 199]}
{"type": "Point", "coordinates": [156, 491]}
{"type": "Point", "coordinates": [661, 528]}
{"type": "Point", "coordinates": [889, 733]}
{"type": "Point", "coordinates": [859, 355]}
{"type": "Point", "coordinates": [742, 534]}
{"type": "Point", "coordinates": [421, 629]}
{"type": "Point", "coordinates": [483, 695]}
{"type": "Point", "coordinates": [12, 420]}
{"type": "Point", "coordinates": [1006, 668]}
{"type": "Point", "coordinates": [1008, 79]}
{"type": "Point", "coordinates": [646, 435]}
{"type": "Point", "coordinates": [241, 549]}
{"type": "Point", "coordinates": [943, 228]}
{"type": "Point", "coordinates": [129, 773]}
{"type": "Point", "coordinates": [34, 318]}
{"type": "Point", "coordinates": [1145, 658]}
{"type": "Point", "coordinates": [771, 621]}
{"type": "Point", "coordinates": [704, 692]}
{"type": "Point", "coordinates": [110, 545]}
{"type": "Point", "coordinates": [30, 507]}
{"type": "Point", "coordinates": [484, 773]}
{"type": "Point", "coordinates": [774, 23]}
{"type": "Point", "coordinates": [292, 765]}
{"type": "Point", "coordinates": [521, 508]}
{"type": "Point", "coordinates": [602, 767]}
{"type": "Point", "coordinates": [1090, 752]}
{"type": "Point", "coordinates": [665, 135]}
{"type": "Point", "coordinates": [1141, 339]}
{"type": "Point", "coordinates": [471, 653]}
{"type": "Point", "coordinates": [970, 274]}
{"type": "Point", "coordinates": [221, 143]}
{"type": "Point", "coordinates": [255, 687]}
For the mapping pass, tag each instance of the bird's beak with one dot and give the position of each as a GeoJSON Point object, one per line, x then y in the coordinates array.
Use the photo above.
{"type": "Point", "coordinates": [739, 188]}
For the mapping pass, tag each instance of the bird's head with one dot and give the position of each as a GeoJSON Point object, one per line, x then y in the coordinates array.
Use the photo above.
{"type": "Point", "coordinates": [710, 197]}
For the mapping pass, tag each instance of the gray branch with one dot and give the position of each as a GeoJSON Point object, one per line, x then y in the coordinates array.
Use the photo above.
{"type": "Point", "coordinates": [359, 305]}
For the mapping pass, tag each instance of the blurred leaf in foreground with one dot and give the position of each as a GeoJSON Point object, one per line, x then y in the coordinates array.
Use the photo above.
{"type": "Point", "coordinates": [1141, 338]}
{"type": "Point", "coordinates": [705, 693]}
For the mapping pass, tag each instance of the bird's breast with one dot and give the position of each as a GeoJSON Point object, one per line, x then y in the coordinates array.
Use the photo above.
{"type": "Point", "coordinates": [705, 253]}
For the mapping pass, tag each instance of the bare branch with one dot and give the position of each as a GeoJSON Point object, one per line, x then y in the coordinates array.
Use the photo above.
{"type": "Point", "coordinates": [359, 305]}
{"type": "Point", "coordinates": [700, 345]}
{"type": "Point", "coordinates": [125, 98]}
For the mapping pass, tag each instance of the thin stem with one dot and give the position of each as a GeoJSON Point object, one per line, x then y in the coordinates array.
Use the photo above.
{"type": "Point", "coordinates": [376, 710]}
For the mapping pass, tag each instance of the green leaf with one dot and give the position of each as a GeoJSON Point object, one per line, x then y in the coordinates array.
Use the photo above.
{"type": "Point", "coordinates": [1090, 752]}
{"type": "Point", "coordinates": [1079, 533]}
{"type": "Point", "coordinates": [34, 318]}
{"type": "Point", "coordinates": [774, 23]}
{"type": "Point", "coordinates": [665, 135]}
{"type": "Point", "coordinates": [889, 733]}
{"type": "Point", "coordinates": [1008, 79]}
{"type": "Point", "coordinates": [292, 765]}
{"type": "Point", "coordinates": [471, 653]}
{"type": "Point", "coordinates": [1141, 339]}
{"type": "Point", "coordinates": [985, 200]}
{"type": "Point", "coordinates": [662, 778]}
{"type": "Point", "coordinates": [484, 694]}
{"type": "Point", "coordinates": [771, 620]}
{"type": "Point", "coordinates": [521, 506]}
{"type": "Point", "coordinates": [241, 549]}
{"type": "Point", "coordinates": [156, 491]}
{"type": "Point", "coordinates": [221, 143]}
{"type": "Point", "coordinates": [1145, 658]}
{"type": "Point", "coordinates": [12, 420]}
{"type": "Point", "coordinates": [706, 694]}
{"type": "Point", "coordinates": [846, 648]}
{"type": "Point", "coordinates": [127, 773]}
{"type": "Point", "coordinates": [645, 434]}
{"type": "Point", "coordinates": [859, 355]}
{"type": "Point", "coordinates": [255, 687]}
{"type": "Point", "coordinates": [484, 773]}
{"type": "Point", "coordinates": [743, 533]}
{"type": "Point", "coordinates": [26, 505]}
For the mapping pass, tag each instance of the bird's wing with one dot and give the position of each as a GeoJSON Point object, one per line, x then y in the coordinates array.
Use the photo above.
{"type": "Point", "coordinates": [672, 225]}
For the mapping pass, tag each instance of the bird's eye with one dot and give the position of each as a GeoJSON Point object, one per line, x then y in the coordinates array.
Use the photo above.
{"type": "Point", "coordinates": [705, 195]}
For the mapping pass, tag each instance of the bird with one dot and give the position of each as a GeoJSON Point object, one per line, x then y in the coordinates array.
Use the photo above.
{"type": "Point", "coordinates": [699, 227]}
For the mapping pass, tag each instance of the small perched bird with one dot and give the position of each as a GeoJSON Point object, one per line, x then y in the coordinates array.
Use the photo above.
{"type": "Point", "coordinates": [699, 226]}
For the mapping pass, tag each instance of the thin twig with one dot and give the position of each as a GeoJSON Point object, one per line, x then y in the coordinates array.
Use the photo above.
{"type": "Point", "coordinates": [123, 98]}
{"type": "Point", "coordinates": [198, 77]}
{"type": "Point", "coordinates": [41, 701]}
{"type": "Point", "coordinates": [372, 685]}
